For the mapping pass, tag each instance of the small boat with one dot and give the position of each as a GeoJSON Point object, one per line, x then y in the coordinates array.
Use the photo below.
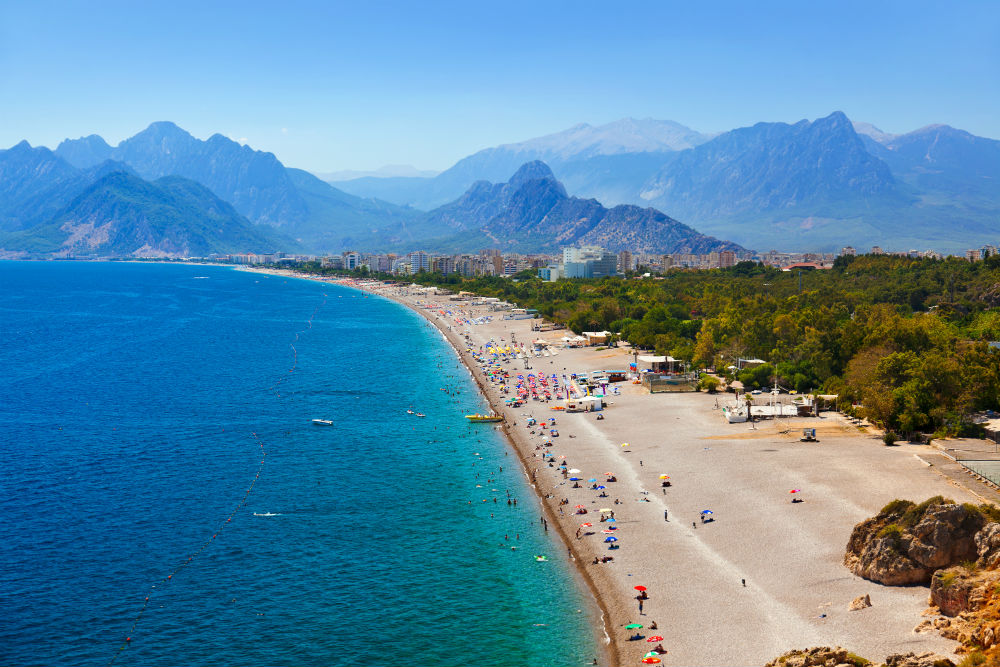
{"type": "Point", "coordinates": [421, 414]}
{"type": "Point", "coordinates": [410, 412]}
{"type": "Point", "coordinates": [484, 418]}
{"type": "Point", "coordinates": [323, 422]}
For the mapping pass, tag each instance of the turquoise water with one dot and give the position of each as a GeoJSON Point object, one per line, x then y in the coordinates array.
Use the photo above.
{"type": "Point", "coordinates": [139, 405]}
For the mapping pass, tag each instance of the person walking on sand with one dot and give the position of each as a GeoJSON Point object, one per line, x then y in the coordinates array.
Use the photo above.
{"type": "Point", "coordinates": [665, 515]}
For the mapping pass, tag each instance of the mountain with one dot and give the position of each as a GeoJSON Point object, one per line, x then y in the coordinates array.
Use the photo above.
{"type": "Point", "coordinates": [122, 215]}
{"type": "Point", "coordinates": [84, 152]}
{"type": "Point", "coordinates": [949, 164]}
{"type": "Point", "coordinates": [620, 152]}
{"type": "Point", "coordinates": [256, 183]}
{"type": "Point", "coordinates": [533, 213]}
{"type": "Point", "coordinates": [388, 171]}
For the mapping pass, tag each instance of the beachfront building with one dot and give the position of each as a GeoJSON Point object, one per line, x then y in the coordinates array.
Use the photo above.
{"type": "Point", "coordinates": [419, 261]}
{"type": "Point", "coordinates": [352, 260]}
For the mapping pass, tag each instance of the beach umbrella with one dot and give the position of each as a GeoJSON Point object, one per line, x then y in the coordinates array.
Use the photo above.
{"type": "Point", "coordinates": [624, 444]}
{"type": "Point", "coordinates": [573, 470]}
{"type": "Point", "coordinates": [578, 507]}
{"type": "Point", "coordinates": [609, 474]}
{"type": "Point", "coordinates": [586, 525]}
{"type": "Point", "coordinates": [651, 654]}
{"type": "Point", "coordinates": [601, 486]}
{"type": "Point", "coordinates": [607, 532]}
{"type": "Point", "coordinates": [576, 479]}
{"type": "Point", "coordinates": [605, 509]}
{"type": "Point", "coordinates": [651, 660]}
{"type": "Point", "coordinates": [612, 527]}
{"type": "Point", "coordinates": [591, 480]}
{"type": "Point", "coordinates": [639, 588]}
{"type": "Point", "coordinates": [664, 476]}
{"type": "Point", "coordinates": [707, 512]}
{"type": "Point", "coordinates": [795, 490]}
{"type": "Point", "coordinates": [655, 638]}
{"type": "Point", "coordinates": [633, 626]}
{"type": "Point", "coordinates": [611, 539]}
{"type": "Point", "coordinates": [611, 520]}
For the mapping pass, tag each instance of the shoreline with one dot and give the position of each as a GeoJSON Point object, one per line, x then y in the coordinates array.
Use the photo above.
{"type": "Point", "coordinates": [764, 576]}
{"type": "Point", "coordinates": [609, 647]}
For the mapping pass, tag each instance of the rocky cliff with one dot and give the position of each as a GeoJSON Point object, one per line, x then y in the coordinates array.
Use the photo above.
{"type": "Point", "coordinates": [906, 542]}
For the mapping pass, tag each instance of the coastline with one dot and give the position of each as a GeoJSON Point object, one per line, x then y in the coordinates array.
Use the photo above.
{"type": "Point", "coordinates": [610, 649]}
{"type": "Point", "coordinates": [794, 591]}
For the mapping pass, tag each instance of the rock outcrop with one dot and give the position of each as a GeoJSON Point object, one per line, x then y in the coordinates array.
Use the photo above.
{"type": "Point", "coordinates": [905, 543]}
{"type": "Point", "coordinates": [860, 602]}
{"type": "Point", "coordinates": [825, 656]}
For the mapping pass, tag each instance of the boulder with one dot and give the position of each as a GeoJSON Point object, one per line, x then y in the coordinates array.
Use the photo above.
{"type": "Point", "coordinates": [817, 656]}
{"type": "Point", "coordinates": [918, 660]}
{"type": "Point", "coordinates": [860, 602]}
{"type": "Point", "coordinates": [988, 545]}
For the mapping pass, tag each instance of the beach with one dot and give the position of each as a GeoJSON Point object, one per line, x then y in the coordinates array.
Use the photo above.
{"type": "Point", "coordinates": [764, 575]}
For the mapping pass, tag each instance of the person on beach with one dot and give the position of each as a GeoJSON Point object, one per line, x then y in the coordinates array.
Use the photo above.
{"type": "Point", "coordinates": [665, 515]}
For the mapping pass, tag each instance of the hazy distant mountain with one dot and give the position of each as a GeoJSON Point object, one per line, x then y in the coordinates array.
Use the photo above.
{"type": "Point", "coordinates": [123, 215]}
{"type": "Point", "coordinates": [256, 183]}
{"type": "Point", "coordinates": [84, 152]}
{"type": "Point", "coordinates": [594, 160]}
{"type": "Point", "coordinates": [869, 130]}
{"type": "Point", "coordinates": [388, 171]}
{"type": "Point", "coordinates": [533, 213]}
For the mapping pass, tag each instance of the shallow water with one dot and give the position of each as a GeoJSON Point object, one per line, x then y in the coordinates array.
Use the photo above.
{"type": "Point", "coordinates": [137, 402]}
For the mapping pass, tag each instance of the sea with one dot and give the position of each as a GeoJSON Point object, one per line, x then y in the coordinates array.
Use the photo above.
{"type": "Point", "coordinates": [165, 498]}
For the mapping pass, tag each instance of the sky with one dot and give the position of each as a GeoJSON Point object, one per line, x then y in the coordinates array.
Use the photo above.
{"type": "Point", "coordinates": [327, 86]}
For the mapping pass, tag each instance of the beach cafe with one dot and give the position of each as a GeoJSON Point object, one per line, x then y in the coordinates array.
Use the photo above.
{"type": "Point", "coordinates": [658, 364]}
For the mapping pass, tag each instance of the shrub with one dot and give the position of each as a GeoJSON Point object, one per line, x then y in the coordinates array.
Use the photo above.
{"type": "Point", "coordinates": [991, 512]}
{"type": "Point", "coordinates": [974, 659]}
{"type": "Point", "coordinates": [889, 438]}
{"type": "Point", "coordinates": [946, 578]}
{"type": "Point", "coordinates": [857, 660]}
{"type": "Point", "coordinates": [913, 515]}
{"type": "Point", "coordinates": [896, 506]}
{"type": "Point", "coordinates": [708, 383]}
{"type": "Point", "coordinates": [892, 530]}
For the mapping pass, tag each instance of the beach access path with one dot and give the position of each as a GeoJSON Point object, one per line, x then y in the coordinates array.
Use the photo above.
{"type": "Point", "coordinates": [789, 555]}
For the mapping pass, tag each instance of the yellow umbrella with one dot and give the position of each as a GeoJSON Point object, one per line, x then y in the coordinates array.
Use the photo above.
{"type": "Point", "coordinates": [605, 509]}
{"type": "Point", "coordinates": [664, 476]}
{"type": "Point", "coordinates": [624, 444]}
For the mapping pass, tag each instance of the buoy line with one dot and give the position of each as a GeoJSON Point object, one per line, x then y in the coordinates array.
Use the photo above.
{"type": "Point", "coordinates": [246, 497]}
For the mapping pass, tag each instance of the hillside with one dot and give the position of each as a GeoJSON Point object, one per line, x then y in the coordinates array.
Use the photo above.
{"type": "Point", "coordinates": [122, 215]}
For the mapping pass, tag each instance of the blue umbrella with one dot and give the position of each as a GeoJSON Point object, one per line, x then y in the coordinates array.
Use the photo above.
{"type": "Point", "coordinates": [612, 519]}
{"type": "Point", "coordinates": [610, 538]}
{"type": "Point", "coordinates": [601, 486]}
{"type": "Point", "coordinates": [591, 480]}
{"type": "Point", "coordinates": [707, 512]}
{"type": "Point", "coordinates": [575, 479]}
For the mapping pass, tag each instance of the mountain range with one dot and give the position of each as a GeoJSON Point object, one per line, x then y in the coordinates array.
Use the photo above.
{"type": "Point", "coordinates": [813, 185]}
{"type": "Point", "coordinates": [532, 212]}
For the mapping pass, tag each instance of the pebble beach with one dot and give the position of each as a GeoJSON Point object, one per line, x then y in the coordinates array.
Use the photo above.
{"type": "Point", "coordinates": [764, 575]}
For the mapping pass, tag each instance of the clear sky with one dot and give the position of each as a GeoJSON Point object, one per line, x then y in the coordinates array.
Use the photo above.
{"type": "Point", "coordinates": [330, 85]}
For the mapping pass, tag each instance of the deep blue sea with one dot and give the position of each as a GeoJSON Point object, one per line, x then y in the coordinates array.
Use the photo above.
{"type": "Point", "coordinates": [137, 403]}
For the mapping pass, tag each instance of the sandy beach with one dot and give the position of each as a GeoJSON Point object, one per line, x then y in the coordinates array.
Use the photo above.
{"type": "Point", "coordinates": [765, 575]}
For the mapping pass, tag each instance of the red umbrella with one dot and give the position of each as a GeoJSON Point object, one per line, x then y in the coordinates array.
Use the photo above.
{"type": "Point", "coordinates": [651, 660]}
{"type": "Point", "coordinates": [795, 490]}
{"type": "Point", "coordinates": [586, 525]}
{"type": "Point", "coordinates": [639, 588]}
{"type": "Point", "coordinates": [579, 507]}
{"type": "Point", "coordinates": [655, 638]}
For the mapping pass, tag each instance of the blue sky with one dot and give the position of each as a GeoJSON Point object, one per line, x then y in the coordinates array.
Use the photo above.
{"type": "Point", "coordinates": [327, 85]}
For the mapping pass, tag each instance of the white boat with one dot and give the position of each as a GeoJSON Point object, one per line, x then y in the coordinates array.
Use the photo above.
{"type": "Point", "coordinates": [735, 415]}
{"type": "Point", "coordinates": [323, 422]}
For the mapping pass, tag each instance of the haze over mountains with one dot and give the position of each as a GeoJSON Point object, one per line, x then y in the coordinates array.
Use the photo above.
{"type": "Point", "coordinates": [804, 186]}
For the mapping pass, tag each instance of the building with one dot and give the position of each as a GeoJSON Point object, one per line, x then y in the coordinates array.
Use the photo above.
{"type": "Point", "coordinates": [352, 260]}
{"type": "Point", "coordinates": [589, 262]}
{"type": "Point", "coordinates": [849, 250]}
{"type": "Point", "coordinates": [419, 261]}
{"type": "Point", "coordinates": [625, 261]}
